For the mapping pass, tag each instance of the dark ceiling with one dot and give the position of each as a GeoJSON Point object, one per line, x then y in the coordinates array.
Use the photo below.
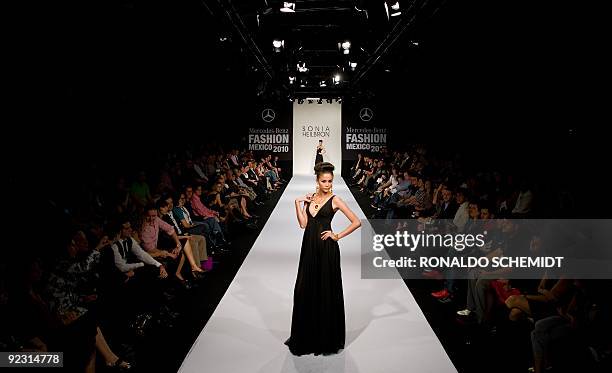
{"type": "Point", "coordinates": [131, 59]}
{"type": "Point", "coordinates": [434, 53]}
{"type": "Point", "coordinates": [313, 34]}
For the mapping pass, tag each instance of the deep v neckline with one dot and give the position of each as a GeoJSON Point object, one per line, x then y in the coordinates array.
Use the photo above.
{"type": "Point", "coordinates": [323, 205]}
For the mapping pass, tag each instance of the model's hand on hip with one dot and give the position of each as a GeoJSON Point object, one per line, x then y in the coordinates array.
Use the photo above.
{"type": "Point", "coordinates": [329, 234]}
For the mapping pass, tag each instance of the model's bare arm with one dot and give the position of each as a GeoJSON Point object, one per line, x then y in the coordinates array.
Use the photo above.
{"type": "Point", "coordinates": [300, 210]}
{"type": "Point", "coordinates": [355, 223]}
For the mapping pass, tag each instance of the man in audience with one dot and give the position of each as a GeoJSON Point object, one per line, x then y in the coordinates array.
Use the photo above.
{"type": "Point", "coordinates": [234, 158]}
{"type": "Point", "coordinates": [249, 177]}
{"type": "Point", "coordinates": [143, 290]}
{"type": "Point", "coordinates": [462, 215]}
{"type": "Point", "coordinates": [209, 217]}
{"type": "Point", "coordinates": [129, 256]}
{"type": "Point", "coordinates": [149, 234]}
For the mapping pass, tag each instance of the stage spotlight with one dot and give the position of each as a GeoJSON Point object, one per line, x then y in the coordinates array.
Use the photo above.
{"type": "Point", "coordinates": [345, 46]}
{"type": "Point", "coordinates": [353, 65]}
{"type": "Point", "coordinates": [278, 45]}
{"type": "Point", "coordinates": [337, 79]}
{"type": "Point", "coordinates": [360, 5]}
{"type": "Point", "coordinates": [392, 7]}
{"type": "Point", "coordinates": [291, 79]}
{"type": "Point", "coordinates": [288, 7]}
{"type": "Point", "coordinates": [323, 84]}
{"type": "Point", "coordinates": [301, 66]}
{"type": "Point", "coordinates": [267, 10]}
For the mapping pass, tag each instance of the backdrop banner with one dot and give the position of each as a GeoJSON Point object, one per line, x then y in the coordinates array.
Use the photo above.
{"type": "Point", "coordinates": [271, 132]}
{"type": "Point", "coordinates": [313, 122]}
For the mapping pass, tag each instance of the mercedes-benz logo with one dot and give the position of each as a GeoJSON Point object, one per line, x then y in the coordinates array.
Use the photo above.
{"type": "Point", "coordinates": [268, 115]}
{"type": "Point", "coordinates": [366, 114]}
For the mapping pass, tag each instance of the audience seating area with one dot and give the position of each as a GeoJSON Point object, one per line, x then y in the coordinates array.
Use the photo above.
{"type": "Point", "coordinates": [126, 250]}
{"type": "Point", "coordinates": [489, 323]}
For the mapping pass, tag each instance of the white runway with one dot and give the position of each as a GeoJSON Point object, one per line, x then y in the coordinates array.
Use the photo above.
{"type": "Point", "coordinates": [386, 330]}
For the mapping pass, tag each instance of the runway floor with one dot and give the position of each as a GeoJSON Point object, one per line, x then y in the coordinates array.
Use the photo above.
{"type": "Point", "coordinates": [386, 330]}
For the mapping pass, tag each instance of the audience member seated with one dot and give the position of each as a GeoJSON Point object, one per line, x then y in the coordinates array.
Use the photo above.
{"type": "Point", "coordinates": [165, 240]}
{"type": "Point", "coordinates": [150, 232]}
{"type": "Point", "coordinates": [209, 217]}
{"type": "Point", "coordinates": [74, 308]}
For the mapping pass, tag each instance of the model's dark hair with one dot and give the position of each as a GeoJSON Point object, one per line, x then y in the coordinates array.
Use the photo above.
{"type": "Point", "coordinates": [323, 167]}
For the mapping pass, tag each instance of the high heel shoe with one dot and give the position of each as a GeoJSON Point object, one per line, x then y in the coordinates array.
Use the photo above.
{"type": "Point", "coordinates": [197, 275]}
{"type": "Point", "coordinates": [119, 365]}
{"type": "Point", "coordinates": [183, 282]}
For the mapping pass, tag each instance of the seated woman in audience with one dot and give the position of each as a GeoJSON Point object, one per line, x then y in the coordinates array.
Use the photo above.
{"type": "Point", "coordinates": [213, 200]}
{"type": "Point", "coordinates": [176, 221]}
{"type": "Point", "coordinates": [273, 166]}
{"type": "Point", "coordinates": [243, 186]}
{"type": "Point", "coordinates": [370, 178]}
{"type": "Point", "coordinates": [249, 177]}
{"type": "Point", "coordinates": [209, 227]}
{"type": "Point", "coordinates": [545, 299]}
{"type": "Point", "coordinates": [220, 199]}
{"type": "Point", "coordinates": [269, 171]}
{"type": "Point", "coordinates": [194, 257]}
{"type": "Point", "coordinates": [233, 190]}
{"type": "Point", "coordinates": [263, 176]}
{"type": "Point", "coordinates": [276, 163]}
{"type": "Point", "coordinates": [355, 167]}
{"type": "Point", "coordinates": [387, 188]}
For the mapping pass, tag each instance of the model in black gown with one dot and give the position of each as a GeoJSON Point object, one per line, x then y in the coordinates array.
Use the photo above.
{"type": "Point", "coordinates": [317, 325]}
{"type": "Point", "coordinates": [319, 157]}
{"type": "Point", "coordinates": [320, 151]}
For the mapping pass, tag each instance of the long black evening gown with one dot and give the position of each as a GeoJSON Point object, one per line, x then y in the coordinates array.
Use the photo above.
{"type": "Point", "coordinates": [319, 157]}
{"type": "Point", "coordinates": [317, 324]}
